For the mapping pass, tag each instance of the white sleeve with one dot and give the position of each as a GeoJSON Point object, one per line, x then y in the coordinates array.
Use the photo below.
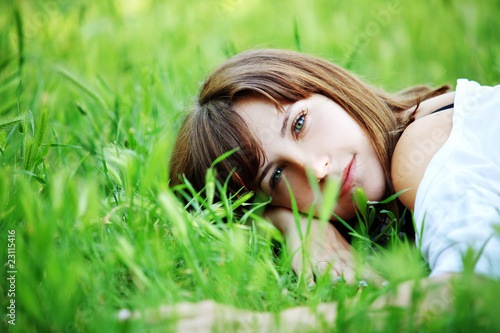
{"type": "Point", "coordinates": [457, 207]}
{"type": "Point", "coordinates": [463, 221]}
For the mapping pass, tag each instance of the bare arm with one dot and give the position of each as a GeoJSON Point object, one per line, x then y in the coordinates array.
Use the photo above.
{"type": "Point", "coordinates": [414, 151]}
{"type": "Point", "coordinates": [434, 295]}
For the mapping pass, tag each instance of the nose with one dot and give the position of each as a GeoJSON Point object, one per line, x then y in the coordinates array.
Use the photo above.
{"type": "Point", "coordinates": [320, 167]}
{"type": "Point", "coordinates": [316, 162]}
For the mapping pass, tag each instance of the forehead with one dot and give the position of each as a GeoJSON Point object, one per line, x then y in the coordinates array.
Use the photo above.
{"type": "Point", "coordinates": [262, 116]}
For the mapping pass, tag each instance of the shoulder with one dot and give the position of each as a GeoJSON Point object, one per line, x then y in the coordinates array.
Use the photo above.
{"type": "Point", "coordinates": [418, 144]}
{"type": "Point", "coordinates": [428, 106]}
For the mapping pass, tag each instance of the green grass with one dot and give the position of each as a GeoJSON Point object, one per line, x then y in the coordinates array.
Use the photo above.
{"type": "Point", "coordinates": [91, 96]}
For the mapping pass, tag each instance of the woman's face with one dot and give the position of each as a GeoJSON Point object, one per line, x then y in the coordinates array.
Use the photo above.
{"type": "Point", "coordinates": [313, 133]}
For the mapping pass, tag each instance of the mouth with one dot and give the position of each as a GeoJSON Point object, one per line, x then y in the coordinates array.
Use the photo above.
{"type": "Point", "coordinates": [348, 176]}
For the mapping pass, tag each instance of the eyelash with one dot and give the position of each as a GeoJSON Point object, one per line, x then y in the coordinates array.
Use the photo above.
{"type": "Point", "coordinates": [302, 116]}
{"type": "Point", "coordinates": [276, 176]}
{"type": "Point", "coordinates": [274, 180]}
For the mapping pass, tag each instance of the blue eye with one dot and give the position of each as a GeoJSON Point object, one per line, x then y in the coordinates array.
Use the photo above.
{"type": "Point", "coordinates": [299, 123]}
{"type": "Point", "coordinates": [275, 177]}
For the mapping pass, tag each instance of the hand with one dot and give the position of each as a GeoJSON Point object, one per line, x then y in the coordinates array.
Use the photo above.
{"type": "Point", "coordinates": [327, 251]}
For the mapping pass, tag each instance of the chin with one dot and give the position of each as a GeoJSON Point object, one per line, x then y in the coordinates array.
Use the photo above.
{"type": "Point", "coordinates": [375, 192]}
{"type": "Point", "coordinates": [346, 213]}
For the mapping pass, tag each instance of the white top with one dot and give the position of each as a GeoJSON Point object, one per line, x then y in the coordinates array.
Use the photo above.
{"type": "Point", "coordinates": [457, 206]}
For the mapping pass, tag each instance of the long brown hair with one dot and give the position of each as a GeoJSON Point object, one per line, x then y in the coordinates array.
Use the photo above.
{"type": "Point", "coordinates": [212, 128]}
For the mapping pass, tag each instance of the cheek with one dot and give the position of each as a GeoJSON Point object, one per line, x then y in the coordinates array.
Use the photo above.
{"type": "Point", "coordinates": [376, 188]}
{"type": "Point", "coordinates": [373, 175]}
{"type": "Point", "coordinates": [380, 189]}
{"type": "Point", "coordinates": [302, 193]}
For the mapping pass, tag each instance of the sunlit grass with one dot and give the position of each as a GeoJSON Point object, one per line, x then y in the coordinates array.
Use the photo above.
{"type": "Point", "coordinates": [91, 96]}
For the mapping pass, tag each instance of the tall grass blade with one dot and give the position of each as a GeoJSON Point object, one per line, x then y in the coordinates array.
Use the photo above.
{"type": "Point", "coordinates": [20, 39]}
{"type": "Point", "coordinates": [296, 35]}
{"type": "Point", "coordinates": [72, 78]}
{"type": "Point", "coordinates": [10, 119]}
{"type": "Point", "coordinates": [41, 128]}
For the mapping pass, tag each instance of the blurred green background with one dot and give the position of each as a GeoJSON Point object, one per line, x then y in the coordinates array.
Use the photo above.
{"type": "Point", "coordinates": [91, 96]}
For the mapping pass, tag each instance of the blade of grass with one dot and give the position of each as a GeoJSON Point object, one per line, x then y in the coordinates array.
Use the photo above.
{"type": "Point", "coordinates": [20, 39]}
{"type": "Point", "coordinates": [80, 84]}
{"type": "Point", "coordinates": [296, 35]}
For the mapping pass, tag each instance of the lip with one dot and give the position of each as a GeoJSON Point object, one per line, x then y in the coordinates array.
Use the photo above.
{"type": "Point", "coordinates": [348, 176]}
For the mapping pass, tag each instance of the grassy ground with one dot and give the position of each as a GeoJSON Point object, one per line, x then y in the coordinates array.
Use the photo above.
{"type": "Point", "coordinates": [91, 94]}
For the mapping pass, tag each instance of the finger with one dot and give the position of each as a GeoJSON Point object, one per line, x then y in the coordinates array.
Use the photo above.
{"type": "Point", "coordinates": [335, 271]}
{"type": "Point", "coordinates": [304, 273]}
{"type": "Point", "coordinates": [371, 276]}
{"type": "Point", "coordinates": [348, 273]}
{"type": "Point", "coordinates": [322, 267]}
{"type": "Point", "coordinates": [308, 276]}
{"type": "Point", "coordinates": [344, 271]}
{"type": "Point", "coordinates": [335, 277]}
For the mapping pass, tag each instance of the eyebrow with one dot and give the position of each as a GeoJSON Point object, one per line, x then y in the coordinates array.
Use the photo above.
{"type": "Point", "coordinates": [284, 126]}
